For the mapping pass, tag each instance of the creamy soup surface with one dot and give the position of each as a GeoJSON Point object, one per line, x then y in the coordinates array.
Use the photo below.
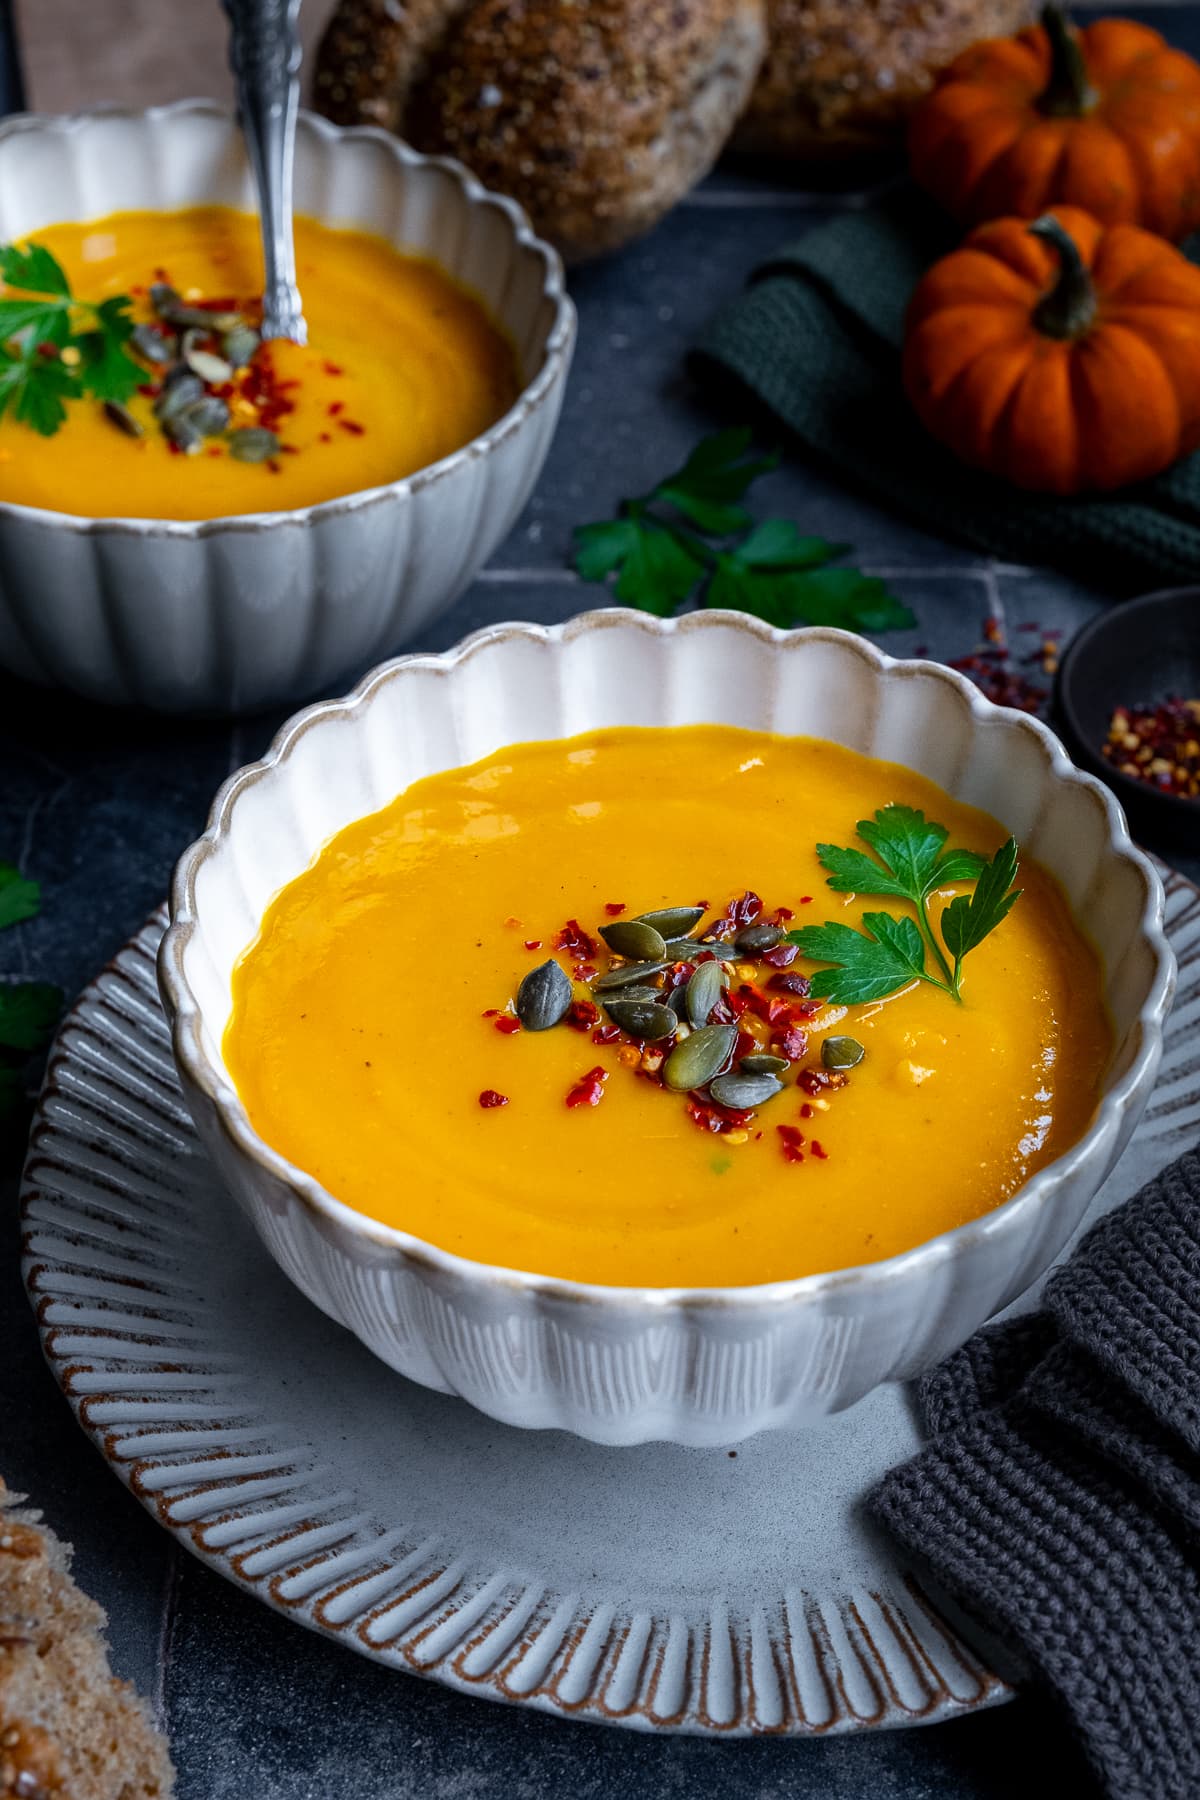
{"type": "Point", "coordinates": [402, 367]}
{"type": "Point", "coordinates": [369, 1019]}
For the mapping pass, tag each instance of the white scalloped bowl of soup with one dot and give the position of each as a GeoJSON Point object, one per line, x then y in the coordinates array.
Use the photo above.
{"type": "Point", "coordinates": [619, 1214]}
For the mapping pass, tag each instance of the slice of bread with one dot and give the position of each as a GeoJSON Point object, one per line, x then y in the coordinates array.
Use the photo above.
{"type": "Point", "coordinates": [68, 1729]}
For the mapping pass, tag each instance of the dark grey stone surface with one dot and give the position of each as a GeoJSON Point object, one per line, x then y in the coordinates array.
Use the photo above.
{"type": "Point", "coordinates": [97, 806]}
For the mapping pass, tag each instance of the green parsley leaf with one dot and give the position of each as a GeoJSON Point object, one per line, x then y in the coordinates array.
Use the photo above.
{"type": "Point", "coordinates": [770, 570]}
{"type": "Point", "coordinates": [970, 918]}
{"type": "Point", "coordinates": [19, 899]}
{"type": "Point", "coordinates": [911, 863]}
{"type": "Point", "coordinates": [28, 1010]}
{"type": "Point", "coordinates": [870, 964]}
{"type": "Point", "coordinates": [32, 268]}
{"type": "Point", "coordinates": [41, 315]}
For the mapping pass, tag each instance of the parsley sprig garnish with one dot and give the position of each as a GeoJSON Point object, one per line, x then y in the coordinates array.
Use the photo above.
{"type": "Point", "coordinates": [911, 862]}
{"type": "Point", "coordinates": [28, 1009]}
{"type": "Point", "coordinates": [690, 537]}
{"type": "Point", "coordinates": [55, 348]}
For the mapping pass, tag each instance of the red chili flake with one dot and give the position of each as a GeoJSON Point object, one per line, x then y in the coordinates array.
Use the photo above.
{"type": "Point", "coordinates": [332, 368]}
{"type": "Point", "coordinates": [604, 1034]}
{"type": "Point", "coordinates": [806, 899]}
{"type": "Point", "coordinates": [216, 451]}
{"type": "Point", "coordinates": [173, 448]}
{"type": "Point", "coordinates": [533, 943]}
{"type": "Point", "coordinates": [275, 467]}
{"type": "Point", "coordinates": [806, 1111]}
{"type": "Point", "coordinates": [781, 915]}
{"type": "Point", "coordinates": [747, 909]}
{"type": "Point", "coordinates": [679, 974]}
{"type": "Point", "coordinates": [353, 427]}
{"type": "Point", "coordinates": [507, 1024]}
{"type": "Point", "coordinates": [702, 904]}
{"type": "Point", "coordinates": [614, 908]}
{"type": "Point", "coordinates": [581, 1015]}
{"type": "Point", "coordinates": [289, 449]}
{"type": "Point", "coordinates": [992, 668]}
{"type": "Point", "coordinates": [711, 1117]}
{"type": "Point", "coordinates": [1158, 745]}
{"type": "Point", "coordinates": [782, 956]}
{"type": "Point", "coordinates": [490, 1098]}
{"type": "Point", "coordinates": [793, 1043]}
{"type": "Point", "coordinates": [745, 1045]}
{"type": "Point", "coordinates": [574, 938]}
{"type": "Point", "coordinates": [818, 1081]}
{"type": "Point", "coordinates": [492, 1012]}
{"type": "Point", "coordinates": [800, 985]}
{"type": "Point", "coordinates": [335, 407]}
{"type": "Point", "coordinates": [149, 388]}
{"type": "Point", "coordinates": [325, 438]}
{"type": "Point", "coordinates": [582, 971]}
{"type": "Point", "coordinates": [819, 1151]}
{"type": "Point", "coordinates": [589, 1089]}
{"type": "Point", "coordinates": [791, 1142]}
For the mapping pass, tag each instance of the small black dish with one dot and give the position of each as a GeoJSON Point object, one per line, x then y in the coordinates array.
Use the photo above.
{"type": "Point", "coordinates": [1133, 655]}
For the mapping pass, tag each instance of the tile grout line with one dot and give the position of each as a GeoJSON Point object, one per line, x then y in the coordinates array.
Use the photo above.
{"type": "Point", "coordinates": [166, 1633]}
{"type": "Point", "coordinates": [893, 571]}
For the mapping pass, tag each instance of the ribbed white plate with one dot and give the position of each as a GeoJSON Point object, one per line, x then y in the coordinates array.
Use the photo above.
{"type": "Point", "coordinates": [657, 1587]}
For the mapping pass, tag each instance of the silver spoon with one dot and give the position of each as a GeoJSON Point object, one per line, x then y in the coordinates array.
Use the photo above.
{"type": "Point", "coordinates": [264, 54]}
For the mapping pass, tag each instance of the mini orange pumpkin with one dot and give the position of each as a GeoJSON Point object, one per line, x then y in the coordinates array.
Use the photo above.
{"type": "Point", "coordinates": [1107, 118]}
{"type": "Point", "coordinates": [1062, 355]}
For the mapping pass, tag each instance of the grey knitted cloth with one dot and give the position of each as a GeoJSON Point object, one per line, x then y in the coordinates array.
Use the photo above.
{"type": "Point", "coordinates": [1059, 1497]}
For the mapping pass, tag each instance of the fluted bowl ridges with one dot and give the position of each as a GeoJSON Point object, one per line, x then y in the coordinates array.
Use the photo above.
{"type": "Point", "coordinates": [627, 1365]}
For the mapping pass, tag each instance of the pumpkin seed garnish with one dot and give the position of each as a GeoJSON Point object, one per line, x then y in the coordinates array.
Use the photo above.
{"type": "Point", "coordinates": [630, 937]}
{"type": "Point", "coordinates": [253, 444]}
{"type": "Point", "coordinates": [703, 991]}
{"type": "Point", "coordinates": [677, 1001]}
{"type": "Point", "coordinates": [841, 1052]}
{"type": "Point", "coordinates": [171, 307]}
{"type": "Point", "coordinates": [723, 952]}
{"type": "Point", "coordinates": [625, 975]}
{"type": "Point", "coordinates": [122, 418]}
{"type": "Point", "coordinates": [211, 369]}
{"type": "Point", "coordinates": [699, 1057]}
{"type": "Point", "coordinates": [759, 1063]}
{"type": "Point", "coordinates": [181, 389]}
{"type": "Point", "coordinates": [181, 431]}
{"type": "Point", "coordinates": [646, 996]}
{"type": "Point", "coordinates": [754, 939]}
{"type": "Point", "coordinates": [210, 415]}
{"type": "Point", "coordinates": [543, 997]}
{"type": "Point", "coordinates": [239, 345]}
{"type": "Point", "coordinates": [672, 921]}
{"type": "Point", "coordinates": [151, 345]}
{"type": "Point", "coordinates": [642, 1020]}
{"type": "Point", "coordinates": [741, 1092]}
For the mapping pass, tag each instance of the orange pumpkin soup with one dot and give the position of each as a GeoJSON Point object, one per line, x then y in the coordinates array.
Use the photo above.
{"type": "Point", "coordinates": [375, 1043]}
{"type": "Point", "coordinates": [402, 367]}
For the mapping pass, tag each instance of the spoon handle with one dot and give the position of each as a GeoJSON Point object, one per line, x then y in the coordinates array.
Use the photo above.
{"type": "Point", "coordinates": [264, 54]}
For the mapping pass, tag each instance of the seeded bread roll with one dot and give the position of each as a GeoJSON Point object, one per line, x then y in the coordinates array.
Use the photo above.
{"type": "Point", "coordinates": [68, 1730]}
{"type": "Point", "coordinates": [596, 115]}
{"type": "Point", "coordinates": [373, 53]}
{"type": "Point", "coordinates": [841, 76]}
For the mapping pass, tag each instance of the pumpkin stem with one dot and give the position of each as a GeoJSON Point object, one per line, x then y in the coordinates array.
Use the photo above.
{"type": "Point", "coordinates": [1068, 94]}
{"type": "Point", "coordinates": [1068, 309]}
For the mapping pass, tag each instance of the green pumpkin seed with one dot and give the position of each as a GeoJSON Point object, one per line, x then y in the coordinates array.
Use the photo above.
{"type": "Point", "coordinates": [763, 1064]}
{"type": "Point", "coordinates": [626, 975]}
{"type": "Point", "coordinates": [703, 991]}
{"type": "Point", "coordinates": [672, 921]}
{"type": "Point", "coordinates": [253, 444]}
{"type": "Point", "coordinates": [213, 370]}
{"type": "Point", "coordinates": [841, 1052]}
{"type": "Point", "coordinates": [698, 1058]}
{"type": "Point", "coordinates": [210, 415]}
{"type": "Point", "coordinates": [677, 1001]}
{"type": "Point", "coordinates": [122, 418]}
{"type": "Point", "coordinates": [642, 994]}
{"type": "Point", "coordinates": [181, 431]}
{"type": "Point", "coordinates": [181, 389]}
{"type": "Point", "coordinates": [171, 306]}
{"type": "Point", "coordinates": [627, 937]}
{"type": "Point", "coordinates": [151, 346]}
{"type": "Point", "coordinates": [722, 952]}
{"type": "Point", "coordinates": [239, 345]}
{"type": "Point", "coordinates": [757, 938]}
{"type": "Point", "coordinates": [543, 997]}
{"type": "Point", "coordinates": [640, 1020]}
{"type": "Point", "coordinates": [741, 1092]}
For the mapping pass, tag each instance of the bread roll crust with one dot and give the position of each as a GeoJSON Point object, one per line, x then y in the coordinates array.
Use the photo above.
{"type": "Point", "coordinates": [841, 76]}
{"type": "Point", "coordinates": [68, 1730]}
{"type": "Point", "coordinates": [596, 115]}
{"type": "Point", "coordinates": [372, 54]}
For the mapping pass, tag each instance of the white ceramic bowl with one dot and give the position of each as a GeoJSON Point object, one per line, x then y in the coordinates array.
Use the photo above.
{"type": "Point", "coordinates": [623, 1365]}
{"type": "Point", "coordinates": [227, 615]}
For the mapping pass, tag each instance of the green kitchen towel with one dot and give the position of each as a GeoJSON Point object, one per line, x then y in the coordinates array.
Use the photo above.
{"type": "Point", "coordinates": [816, 338]}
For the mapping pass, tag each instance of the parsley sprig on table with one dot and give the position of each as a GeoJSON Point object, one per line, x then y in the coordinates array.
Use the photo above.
{"type": "Point", "coordinates": [911, 862]}
{"type": "Point", "coordinates": [54, 348]}
{"type": "Point", "coordinates": [28, 1009]}
{"type": "Point", "coordinates": [655, 549]}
